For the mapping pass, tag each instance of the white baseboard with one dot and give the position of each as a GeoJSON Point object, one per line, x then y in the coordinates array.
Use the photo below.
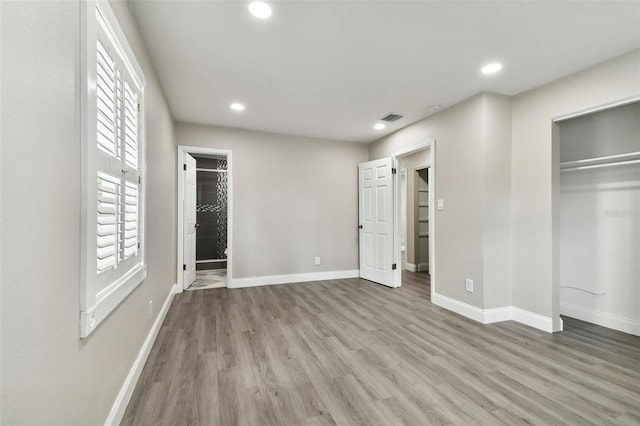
{"type": "Point", "coordinates": [464, 309]}
{"type": "Point", "coordinates": [411, 267]}
{"type": "Point", "coordinates": [626, 325]}
{"type": "Point", "coordinates": [532, 319]}
{"type": "Point", "coordinates": [424, 266]}
{"type": "Point", "coordinates": [293, 278]}
{"type": "Point", "coordinates": [124, 396]}
{"type": "Point", "coordinates": [488, 316]}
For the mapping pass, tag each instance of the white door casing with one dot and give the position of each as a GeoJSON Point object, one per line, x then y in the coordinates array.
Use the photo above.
{"type": "Point", "coordinates": [375, 212]}
{"type": "Point", "coordinates": [189, 215]}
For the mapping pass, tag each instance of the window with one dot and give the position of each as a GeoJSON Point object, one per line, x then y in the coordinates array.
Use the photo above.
{"type": "Point", "coordinates": [113, 167]}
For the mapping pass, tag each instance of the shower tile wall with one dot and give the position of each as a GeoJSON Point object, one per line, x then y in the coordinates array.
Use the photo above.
{"type": "Point", "coordinates": [211, 213]}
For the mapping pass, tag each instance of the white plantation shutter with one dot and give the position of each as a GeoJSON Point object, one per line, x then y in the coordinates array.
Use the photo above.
{"type": "Point", "coordinates": [114, 200]}
{"type": "Point", "coordinates": [107, 221]}
{"type": "Point", "coordinates": [130, 220]}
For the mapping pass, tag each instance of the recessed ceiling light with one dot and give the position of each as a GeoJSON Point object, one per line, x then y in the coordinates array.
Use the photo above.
{"type": "Point", "coordinates": [379, 126]}
{"type": "Point", "coordinates": [237, 106]}
{"type": "Point", "coordinates": [491, 68]}
{"type": "Point", "coordinates": [260, 9]}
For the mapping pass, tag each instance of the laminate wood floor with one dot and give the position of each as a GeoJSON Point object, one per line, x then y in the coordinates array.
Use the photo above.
{"type": "Point", "coordinates": [350, 352]}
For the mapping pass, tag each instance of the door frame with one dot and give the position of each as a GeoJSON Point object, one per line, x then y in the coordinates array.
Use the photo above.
{"type": "Point", "coordinates": [182, 150]}
{"type": "Point", "coordinates": [432, 190]}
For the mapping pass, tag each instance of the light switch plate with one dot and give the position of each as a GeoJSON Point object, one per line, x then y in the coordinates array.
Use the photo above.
{"type": "Point", "coordinates": [440, 203]}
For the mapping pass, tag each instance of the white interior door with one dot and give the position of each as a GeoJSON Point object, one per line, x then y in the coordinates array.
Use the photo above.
{"type": "Point", "coordinates": [189, 219]}
{"type": "Point", "coordinates": [375, 199]}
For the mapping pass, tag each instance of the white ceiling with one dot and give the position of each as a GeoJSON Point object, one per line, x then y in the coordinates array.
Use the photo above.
{"type": "Point", "coordinates": [330, 69]}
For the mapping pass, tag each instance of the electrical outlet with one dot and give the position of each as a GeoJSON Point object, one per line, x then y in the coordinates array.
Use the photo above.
{"type": "Point", "coordinates": [150, 312]}
{"type": "Point", "coordinates": [317, 260]}
{"type": "Point", "coordinates": [468, 285]}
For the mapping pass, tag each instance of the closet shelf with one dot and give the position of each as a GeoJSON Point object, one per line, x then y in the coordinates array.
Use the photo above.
{"type": "Point", "coordinates": [598, 162]}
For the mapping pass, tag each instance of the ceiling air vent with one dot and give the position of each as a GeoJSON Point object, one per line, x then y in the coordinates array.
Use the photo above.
{"type": "Point", "coordinates": [391, 117]}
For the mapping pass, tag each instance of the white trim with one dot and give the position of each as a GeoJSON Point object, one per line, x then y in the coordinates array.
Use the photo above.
{"type": "Point", "coordinates": [124, 396]}
{"type": "Point", "coordinates": [616, 322]}
{"type": "Point", "coordinates": [458, 307]}
{"type": "Point", "coordinates": [424, 266]}
{"type": "Point", "coordinates": [432, 219]}
{"type": "Point", "coordinates": [411, 267]}
{"type": "Point", "coordinates": [497, 314]}
{"type": "Point", "coordinates": [182, 150]}
{"type": "Point", "coordinates": [488, 316]}
{"type": "Point", "coordinates": [598, 108]}
{"type": "Point", "coordinates": [410, 150]}
{"type": "Point", "coordinates": [293, 278]}
{"type": "Point", "coordinates": [532, 319]}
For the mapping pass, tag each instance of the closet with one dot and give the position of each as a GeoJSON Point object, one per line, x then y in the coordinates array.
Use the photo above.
{"type": "Point", "coordinates": [599, 218]}
{"type": "Point", "coordinates": [422, 220]}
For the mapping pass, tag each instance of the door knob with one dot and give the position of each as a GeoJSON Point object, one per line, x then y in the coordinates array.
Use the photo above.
{"type": "Point", "coordinates": [197, 225]}
{"type": "Point", "coordinates": [359, 226]}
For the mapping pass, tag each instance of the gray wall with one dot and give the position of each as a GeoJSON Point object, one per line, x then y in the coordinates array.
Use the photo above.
{"type": "Point", "coordinates": [294, 198]}
{"type": "Point", "coordinates": [49, 375]}
{"type": "Point", "coordinates": [459, 181]}
{"type": "Point", "coordinates": [534, 164]}
{"type": "Point", "coordinates": [497, 201]}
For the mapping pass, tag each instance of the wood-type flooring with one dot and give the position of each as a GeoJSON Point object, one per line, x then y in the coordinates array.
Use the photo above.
{"type": "Point", "coordinates": [351, 352]}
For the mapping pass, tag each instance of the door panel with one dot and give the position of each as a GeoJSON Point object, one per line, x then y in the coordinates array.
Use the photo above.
{"type": "Point", "coordinates": [375, 179]}
{"type": "Point", "coordinates": [189, 209]}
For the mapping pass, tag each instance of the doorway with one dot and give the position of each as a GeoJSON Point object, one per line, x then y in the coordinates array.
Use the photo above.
{"type": "Point", "coordinates": [382, 210]}
{"type": "Point", "coordinates": [415, 228]}
{"type": "Point", "coordinates": [204, 218]}
{"type": "Point", "coordinates": [211, 222]}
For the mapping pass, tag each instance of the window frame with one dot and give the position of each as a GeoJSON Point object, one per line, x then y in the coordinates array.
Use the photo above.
{"type": "Point", "coordinates": [97, 303]}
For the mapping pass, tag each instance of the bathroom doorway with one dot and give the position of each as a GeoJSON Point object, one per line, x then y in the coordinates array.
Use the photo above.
{"type": "Point", "coordinates": [204, 218]}
{"type": "Point", "coordinates": [211, 222]}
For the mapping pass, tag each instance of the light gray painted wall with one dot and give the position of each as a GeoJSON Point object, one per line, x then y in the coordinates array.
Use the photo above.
{"type": "Point", "coordinates": [534, 180]}
{"type": "Point", "coordinates": [49, 375]}
{"type": "Point", "coordinates": [599, 226]}
{"type": "Point", "coordinates": [294, 198]}
{"type": "Point", "coordinates": [459, 171]}
{"type": "Point", "coordinates": [411, 162]}
{"type": "Point", "coordinates": [497, 201]}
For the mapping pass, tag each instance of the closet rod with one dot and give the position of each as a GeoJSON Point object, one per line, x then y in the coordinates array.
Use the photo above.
{"type": "Point", "coordinates": [597, 166]}
{"type": "Point", "coordinates": [211, 170]}
{"type": "Point", "coordinates": [601, 160]}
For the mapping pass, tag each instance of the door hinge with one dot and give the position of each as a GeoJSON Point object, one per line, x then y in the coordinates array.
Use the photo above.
{"type": "Point", "coordinates": [139, 180]}
{"type": "Point", "coordinates": [138, 245]}
{"type": "Point", "coordinates": [184, 167]}
{"type": "Point", "coordinates": [184, 267]}
{"type": "Point", "coordinates": [394, 170]}
{"type": "Point", "coordinates": [138, 107]}
{"type": "Point", "coordinates": [393, 266]}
